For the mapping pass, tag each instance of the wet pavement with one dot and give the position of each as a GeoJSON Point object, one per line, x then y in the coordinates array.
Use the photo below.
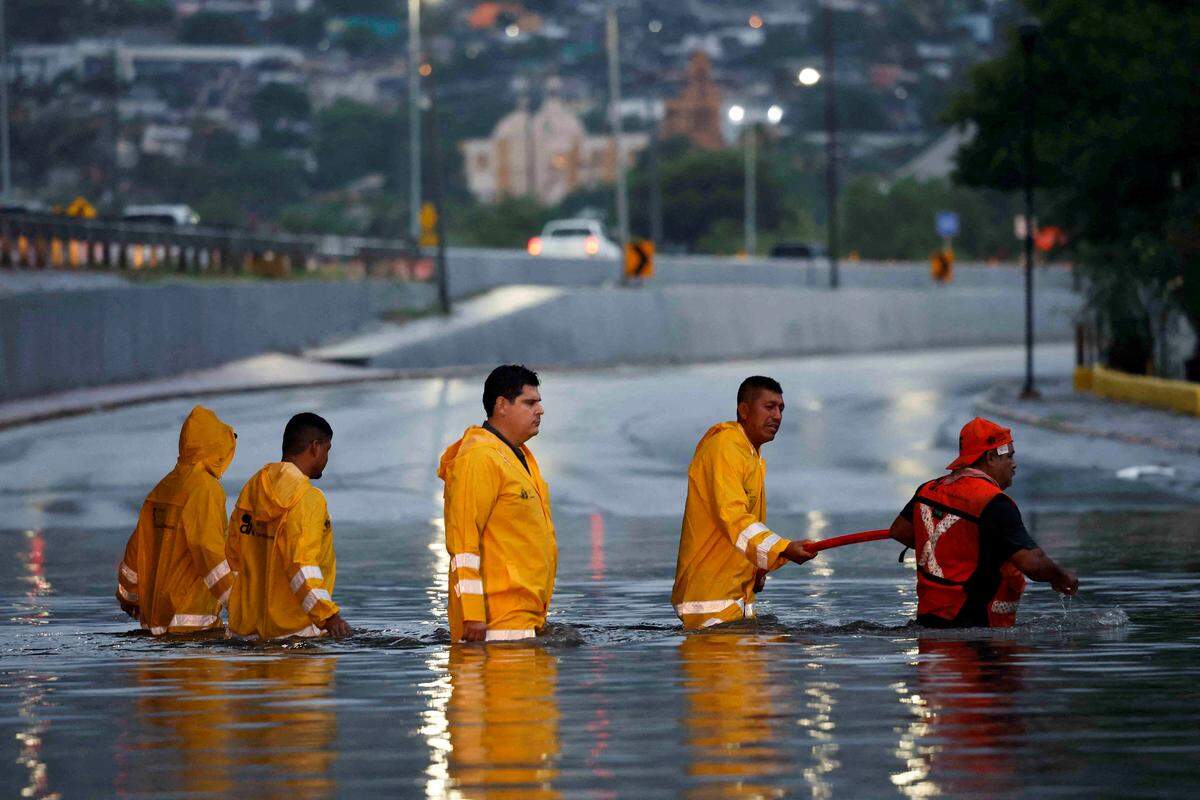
{"type": "Point", "coordinates": [832, 694]}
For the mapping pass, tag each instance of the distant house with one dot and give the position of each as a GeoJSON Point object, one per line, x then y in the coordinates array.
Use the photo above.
{"type": "Point", "coordinates": [545, 155]}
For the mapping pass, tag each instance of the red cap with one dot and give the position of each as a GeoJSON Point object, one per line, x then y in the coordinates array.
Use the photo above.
{"type": "Point", "coordinates": [976, 438]}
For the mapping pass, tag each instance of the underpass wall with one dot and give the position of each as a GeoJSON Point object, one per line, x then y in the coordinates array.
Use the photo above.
{"type": "Point", "coordinates": [58, 340]}
{"type": "Point", "coordinates": [595, 327]}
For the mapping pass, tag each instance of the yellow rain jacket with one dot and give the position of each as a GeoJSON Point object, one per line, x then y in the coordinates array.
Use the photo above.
{"type": "Point", "coordinates": [174, 567]}
{"type": "Point", "coordinates": [281, 545]}
{"type": "Point", "coordinates": [500, 536]}
{"type": "Point", "coordinates": [724, 539]}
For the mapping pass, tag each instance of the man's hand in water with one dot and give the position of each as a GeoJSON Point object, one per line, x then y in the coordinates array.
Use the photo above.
{"type": "Point", "coordinates": [797, 551]}
{"type": "Point", "coordinates": [337, 627]}
{"type": "Point", "coordinates": [1065, 583]}
{"type": "Point", "coordinates": [474, 631]}
{"type": "Point", "coordinates": [760, 580]}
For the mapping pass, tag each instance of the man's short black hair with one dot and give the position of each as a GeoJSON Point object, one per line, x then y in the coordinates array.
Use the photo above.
{"type": "Point", "coordinates": [507, 381]}
{"type": "Point", "coordinates": [752, 385]}
{"type": "Point", "coordinates": [302, 430]}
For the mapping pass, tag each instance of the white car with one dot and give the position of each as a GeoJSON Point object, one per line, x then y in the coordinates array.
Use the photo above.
{"type": "Point", "coordinates": [573, 238]}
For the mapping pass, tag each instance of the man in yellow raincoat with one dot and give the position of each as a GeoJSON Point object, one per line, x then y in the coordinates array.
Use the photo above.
{"type": "Point", "coordinates": [174, 577]}
{"type": "Point", "coordinates": [281, 543]}
{"type": "Point", "coordinates": [725, 547]}
{"type": "Point", "coordinates": [499, 532]}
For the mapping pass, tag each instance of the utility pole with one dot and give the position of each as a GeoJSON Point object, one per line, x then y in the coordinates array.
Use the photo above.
{"type": "Point", "coordinates": [831, 148]}
{"type": "Point", "coordinates": [414, 119]}
{"type": "Point", "coordinates": [613, 41]}
{"type": "Point", "coordinates": [435, 191]}
{"type": "Point", "coordinates": [1029, 34]}
{"type": "Point", "coordinates": [5, 157]}
{"type": "Point", "coordinates": [750, 209]}
{"type": "Point", "coordinates": [656, 212]}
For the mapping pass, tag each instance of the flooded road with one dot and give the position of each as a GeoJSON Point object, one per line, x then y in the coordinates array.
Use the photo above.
{"type": "Point", "coordinates": [832, 693]}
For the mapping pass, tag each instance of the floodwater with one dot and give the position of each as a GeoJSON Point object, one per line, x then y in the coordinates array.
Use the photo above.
{"type": "Point", "coordinates": [832, 693]}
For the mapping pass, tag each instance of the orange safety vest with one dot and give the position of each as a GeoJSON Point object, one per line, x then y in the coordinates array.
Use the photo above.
{"type": "Point", "coordinates": [946, 521]}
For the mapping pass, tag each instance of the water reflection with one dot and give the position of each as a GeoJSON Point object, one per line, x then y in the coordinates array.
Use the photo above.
{"type": "Point", "coordinates": [503, 721]}
{"type": "Point", "coordinates": [728, 716]}
{"type": "Point", "coordinates": [966, 714]}
{"type": "Point", "coordinates": [259, 727]}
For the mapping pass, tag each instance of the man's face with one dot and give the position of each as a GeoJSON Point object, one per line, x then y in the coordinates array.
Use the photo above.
{"type": "Point", "coordinates": [761, 416]}
{"type": "Point", "coordinates": [1003, 467]}
{"type": "Point", "coordinates": [320, 449]}
{"type": "Point", "coordinates": [522, 417]}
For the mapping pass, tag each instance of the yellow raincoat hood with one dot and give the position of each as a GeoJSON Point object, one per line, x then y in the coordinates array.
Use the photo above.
{"type": "Point", "coordinates": [206, 440]}
{"type": "Point", "coordinates": [472, 438]}
{"type": "Point", "coordinates": [280, 487]}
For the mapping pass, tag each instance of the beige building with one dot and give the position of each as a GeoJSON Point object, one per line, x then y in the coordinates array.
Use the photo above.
{"type": "Point", "coordinates": [546, 155]}
{"type": "Point", "coordinates": [696, 112]}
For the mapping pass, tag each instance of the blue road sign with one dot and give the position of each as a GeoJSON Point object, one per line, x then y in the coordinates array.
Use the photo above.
{"type": "Point", "coordinates": [947, 224]}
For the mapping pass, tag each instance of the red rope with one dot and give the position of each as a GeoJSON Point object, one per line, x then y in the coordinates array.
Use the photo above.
{"type": "Point", "coordinates": [849, 538]}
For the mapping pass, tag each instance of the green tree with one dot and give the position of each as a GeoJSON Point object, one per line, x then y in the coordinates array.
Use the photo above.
{"type": "Point", "coordinates": [281, 112]}
{"type": "Point", "coordinates": [1115, 149]}
{"type": "Point", "coordinates": [352, 140]}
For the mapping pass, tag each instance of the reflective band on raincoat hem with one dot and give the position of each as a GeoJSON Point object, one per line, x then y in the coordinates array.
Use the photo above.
{"type": "Point", "coordinates": [128, 595]}
{"type": "Point", "coordinates": [468, 587]}
{"type": "Point", "coordinates": [129, 574]}
{"type": "Point", "coordinates": [305, 573]}
{"type": "Point", "coordinates": [753, 529]}
{"type": "Point", "coordinates": [218, 572]}
{"type": "Point", "coordinates": [510, 635]}
{"type": "Point", "coordinates": [468, 560]}
{"type": "Point", "coordinates": [714, 607]}
{"type": "Point", "coordinates": [186, 621]}
{"type": "Point", "coordinates": [313, 596]}
{"type": "Point", "coordinates": [764, 550]}
{"type": "Point", "coordinates": [1004, 607]}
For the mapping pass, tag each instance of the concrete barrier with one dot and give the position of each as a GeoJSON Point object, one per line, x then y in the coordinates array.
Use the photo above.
{"type": "Point", "coordinates": [1142, 390]}
{"type": "Point", "coordinates": [53, 341]}
{"type": "Point", "coordinates": [593, 327]}
{"type": "Point", "coordinates": [473, 271]}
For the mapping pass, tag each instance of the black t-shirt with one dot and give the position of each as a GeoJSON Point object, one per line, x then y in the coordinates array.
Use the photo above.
{"type": "Point", "coordinates": [1001, 534]}
{"type": "Point", "coordinates": [487, 426]}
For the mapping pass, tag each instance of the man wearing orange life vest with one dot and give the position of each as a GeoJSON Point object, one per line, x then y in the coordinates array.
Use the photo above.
{"type": "Point", "coordinates": [174, 577]}
{"type": "Point", "coordinates": [972, 547]}
{"type": "Point", "coordinates": [725, 546]}
{"type": "Point", "coordinates": [499, 531]}
{"type": "Point", "coordinates": [280, 543]}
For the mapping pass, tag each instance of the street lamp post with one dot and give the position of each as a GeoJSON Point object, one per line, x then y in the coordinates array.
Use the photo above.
{"type": "Point", "coordinates": [831, 149]}
{"type": "Point", "coordinates": [738, 115]}
{"type": "Point", "coordinates": [414, 120]}
{"type": "Point", "coordinates": [5, 162]}
{"type": "Point", "coordinates": [613, 46]}
{"type": "Point", "coordinates": [1029, 34]}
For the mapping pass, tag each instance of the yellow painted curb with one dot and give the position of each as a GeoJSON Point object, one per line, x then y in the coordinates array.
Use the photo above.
{"type": "Point", "coordinates": [1181, 396]}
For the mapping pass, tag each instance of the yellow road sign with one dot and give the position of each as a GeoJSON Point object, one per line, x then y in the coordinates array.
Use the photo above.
{"type": "Point", "coordinates": [429, 218]}
{"type": "Point", "coordinates": [80, 207]}
{"type": "Point", "coordinates": [639, 259]}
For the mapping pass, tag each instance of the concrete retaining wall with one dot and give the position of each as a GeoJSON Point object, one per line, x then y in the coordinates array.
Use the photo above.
{"type": "Point", "coordinates": [584, 327]}
{"type": "Point", "coordinates": [474, 271]}
{"type": "Point", "coordinates": [53, 341]}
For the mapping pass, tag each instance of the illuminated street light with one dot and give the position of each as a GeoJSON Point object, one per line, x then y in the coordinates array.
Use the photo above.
{"type": "Point", "coordinates": [655, 26]}
{"type": "Point", "coordinates": [736, 114]}
{"type": "Point", "coordinates": [756, 21]}
{"type": "Point", "coordinates": [512, 31]}
{"type": "Point", "coordinates": [808, 76]}
{"type": "Point", "coordinates": [774, 114]}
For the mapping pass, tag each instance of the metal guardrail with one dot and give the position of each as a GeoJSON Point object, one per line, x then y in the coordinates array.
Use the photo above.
{"type": "Point", "coordinates": [46, 241]}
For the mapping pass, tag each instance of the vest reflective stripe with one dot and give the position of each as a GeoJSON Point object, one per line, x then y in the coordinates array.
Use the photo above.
{"type": "Point", "coordinates": [928, 558]}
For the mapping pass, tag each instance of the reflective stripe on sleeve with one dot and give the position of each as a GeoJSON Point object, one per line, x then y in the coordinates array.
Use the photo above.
{"type": "Point", "coordinates": [764, 550]}
{"type": "Point", "coordinates": [128, 573]}
{"type": "Point", "coordinates": [510, 635]}
{"type": "Point", "coordinates": [1004, 607]}
{"type": "Point", "coordinates": [218, 572]}
{"type": "Point", "coordinates": [305, 573]}
{"type": "Point", "coordinates": [313, 596]}
{"type": "Point", "coordinates": [467, 560]}
{"type": "Point", "coordinates": [753, 529]}
{"type": "Point", "coordinates": [126, 594]}
{"type": "Point", "coordinates": [468, 587]}
{"type": "Point", "coordinates": [306, 632]}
